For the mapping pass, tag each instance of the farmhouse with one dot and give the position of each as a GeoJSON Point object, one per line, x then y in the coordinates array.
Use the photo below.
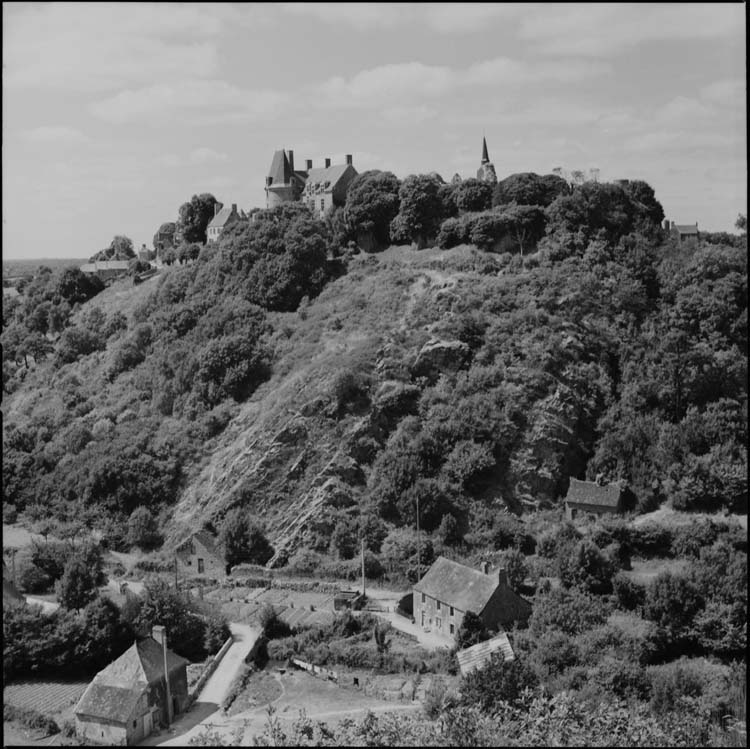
{"type": "Point", "coordinates": [596, 498]}
{"type": "Point", "coordinates": [129, 697]}
{"type": "Point", "coordinates": [199, 554]}
{"type": "Point", "coordinates": [319, 188]}
{"type": "Point", "coordinates": [448, 590]}
{"type": "Point", "coordinates": [683, 232]}
{"type": "Point", "coordinates": [223, 219]}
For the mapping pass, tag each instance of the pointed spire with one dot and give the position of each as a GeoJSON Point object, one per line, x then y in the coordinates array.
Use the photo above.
{"type": "Point", "coordinates": [485, 155]}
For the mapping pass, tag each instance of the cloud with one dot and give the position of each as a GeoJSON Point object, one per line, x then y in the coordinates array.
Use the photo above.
{"type": "Point", "coordinates": [196, 102]}
{"type": "Point", "coordinates": [205, 155]}
{"type": "Point", "coordinates": [679, 140]}
{"type": "Point", "coordinates": [604, 30]}
{"type": "Point", "coordinates": [360, 16]}
{"type": "Point", "coordinates": [400, 83]}
{"type": "Point", "coordinates": [100, 46]}
{"type": "Point", "coordinates": [58, 134]}
{"type": "Point", "coordinates": [727, 92]}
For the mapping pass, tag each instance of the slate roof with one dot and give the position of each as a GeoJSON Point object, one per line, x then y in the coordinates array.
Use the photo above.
{"type": "Point", "coordinates": [686, 228]}
{"type": "Point", "coordinates": [591, 493]}
{"type": "Point", "coordinates": [207, 539]}
{"type": "Point", "coordinates": [456, 585]}
{"type": "Point", "coordinates": [220, 218]}
{"type": "Point", "coordinates": [143, 662]}
{"type": "Point", "coordinates": [281, 169]}
{"type": "Point", "coordinates": [477, 656]}
{"type": "Point", "coordinates": [104, 701]}
{"type": "Point", "coordinates": [105, 265]}
{"type": "Point", "coordinates": [321, 175]}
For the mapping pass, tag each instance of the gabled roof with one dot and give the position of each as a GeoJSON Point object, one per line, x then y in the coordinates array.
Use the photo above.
{"type": "Point", "coordinates": [112, 703]}
{"type": "Point", "coordinates": [477, 656]}
{"type": "Point", "coordinates": [221, 218]}
{"type": "Point", "coordinates": [280, 170]}
{"type": "Point", "coordinates": [458, 585]}
{"type": "Point", "coordinates": [591, 493]}
{"type": "Point", "coordinates": [331, 174]}
{"type": "Point", "coordinates": [142, 663]}
{"type": "Point", "coordinates": [207, 539]}
{"type": "Point", "coordinates": [686, 228]}
{"type": "Point", "coordinates": [105, 265]}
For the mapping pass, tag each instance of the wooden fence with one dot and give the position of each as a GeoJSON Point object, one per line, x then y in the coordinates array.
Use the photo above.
{"type": "Point", "coordinates": [326, 673]}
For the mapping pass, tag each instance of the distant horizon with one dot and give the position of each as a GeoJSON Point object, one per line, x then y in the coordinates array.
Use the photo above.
{"type": "Point", "coordinates": [115, 115]}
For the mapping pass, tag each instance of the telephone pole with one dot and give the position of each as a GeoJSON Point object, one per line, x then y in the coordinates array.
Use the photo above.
{"type": "Point", "coordinates": [363, 567]}
{"type": "Point", "coordinates": [419, 545]}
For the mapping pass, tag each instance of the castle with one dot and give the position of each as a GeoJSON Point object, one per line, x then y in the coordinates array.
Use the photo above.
{"type": "Point", "coordinates": [318, 188]}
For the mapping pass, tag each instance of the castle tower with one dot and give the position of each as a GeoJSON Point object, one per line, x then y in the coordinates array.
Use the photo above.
{"type": "Point", "coordinates": [486, 172]}
{"type": "Point", "coordinates": [283, 183]}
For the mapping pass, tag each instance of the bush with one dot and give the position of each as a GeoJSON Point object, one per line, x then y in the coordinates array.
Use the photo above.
{"type": "Point", "coordinates": [498, 682]}
{"type": "Point", "coordinates": [434, 699]}
{"type": "Point", "coordinates": [32, 579]}
{"type": "Point", "coordinates": [30, 718]}
{"type": "Point", "coordinates": [688, 540]}
{"type": "Point", "coordinates": [630, 595]}
{"type": "Point", "coordinates": [274, 627]}
{"type": "Point", "coordinates": [570, 611]}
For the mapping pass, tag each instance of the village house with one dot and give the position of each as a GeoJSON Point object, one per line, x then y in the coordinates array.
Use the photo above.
{"type": "Point", "coordinates": [107, 270]}
{"type": "Point", "coordinates": [449, 589]}
{"type": "Point", "coordinates": [131, 696]}
{"type": "Point", "coordinates": [319, 188]}
{"type": "Point", "coordinates": [223, 219]}
{"type": "Point", "coordinates": [682, 232]}
{"type": "Point", "coordinates": [596, 498]}
{"type": "Point", "coordinates": [199, 554]}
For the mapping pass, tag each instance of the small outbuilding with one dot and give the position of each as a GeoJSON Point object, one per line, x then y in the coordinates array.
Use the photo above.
{"type": "Point", "coordinates": [130, 697]}
{"type": "Point", "coordinates": [478, 656]}
{"type": "Point", "coordinates": [449, 589]}
{"type": "Point", "coordinates": [596, 498]}
{"type": "Point", "coordinates": [200, 554]}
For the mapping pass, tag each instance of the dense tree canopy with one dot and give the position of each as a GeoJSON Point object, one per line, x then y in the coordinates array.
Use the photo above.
{"type": "Point", "coordinates": [372, 202]}
{"type": "Point", "coordinates": [527, 188]}
{"type": "Point", "coordinates": [195, 216]}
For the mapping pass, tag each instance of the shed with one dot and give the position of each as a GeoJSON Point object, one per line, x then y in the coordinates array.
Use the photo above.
{"type": "Point", "coordinates": [596, 498]}
{"type": "Point", "coordinates": [477, 656]}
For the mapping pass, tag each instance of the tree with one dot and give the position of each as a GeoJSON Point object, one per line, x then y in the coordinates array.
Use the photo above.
{"type": "Point", "coordinates": [421, 209]}
{"type": "Point", "coordinates": [78, 584]}
{"type": "Point", "coordinates": [164, 237]}
{"type": "Point", "coordinates": [516, 569]}
{"type": "Point", "coordinates": [372, 202]}
{"type": "Point", "coordinates": [471, 631]}
{"type": "Point", "coordinates": [243, 540]}
{"type": "Point", "coordinates": [473, 195]}
{"type": "Point", "coordinates": [526, 224]}
{"type": "Point", "coordinates": [527, 188]}
{"type": "Point", "coordinates": [120, 248]}
{"type": "Point", "coordinates": [499, 681]}
{"type": "Point", "coordinates": [142, 529]}
{"type": "Point", "coordinates": [672, 601]}
{"type": "Point", "coordinates": [586, 567]}
{"type": "Point", "coordinates": [195, 216]}
{"type": "Point", "coordinates": [741, 222]}
{"type": "Point", "coordinates": [77, 287]}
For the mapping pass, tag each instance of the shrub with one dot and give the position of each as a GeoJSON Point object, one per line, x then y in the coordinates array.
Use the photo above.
{"type": "Point", "coordinates": [570, 611]}
{"type": "Point", "coordinates": [471, 631]}
{"type": "Point", "coordinates": [30, 718]}
{"type": "Point", "coordinates": [586, 567]}
{"type": "Point", "coordinates": [498, 682]}
{"type": "Point", "coordinates": [688, 540]}
{"type": "Point", "coordinates": [629, 594]}
{"type": "Point", "coordinates": [32, 579]}
{"type": "Point", "coordinates": [434, 698]}
{"type": "Point", "coordinates": [274, 627]}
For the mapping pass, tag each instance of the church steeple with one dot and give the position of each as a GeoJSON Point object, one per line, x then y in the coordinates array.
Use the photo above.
{"type": "Point", "coordinates": [486, 172]}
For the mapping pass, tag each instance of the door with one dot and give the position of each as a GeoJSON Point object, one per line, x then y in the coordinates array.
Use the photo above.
{"type": "Point", "coordinates": [200, 566]}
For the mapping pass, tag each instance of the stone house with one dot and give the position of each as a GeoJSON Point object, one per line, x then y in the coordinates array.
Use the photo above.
{"type": "Point", "coordinates": [128, 698]}
{"type": "Point", "coordinates": [199, 554]}
{"type": "Point", "coordinates": [223, 219]}
{"type": "Point", "coordinates": [596, 498]}
{"type": "Point", "coordinates": [449, 589]}
{"type": "Point", "coordinates": [682, 232]}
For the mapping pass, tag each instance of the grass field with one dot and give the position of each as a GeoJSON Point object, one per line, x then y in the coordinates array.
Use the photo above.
{"type": "Point", "coordinates": [645, 570]}
{"type": "Point", "coordinates": [55, 699]}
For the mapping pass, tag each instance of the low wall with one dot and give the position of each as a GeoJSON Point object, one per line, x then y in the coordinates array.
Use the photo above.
{"type": "Point", "coordinates": [206, 675]}
{"type": "Point", "coordinates": [326, 673]}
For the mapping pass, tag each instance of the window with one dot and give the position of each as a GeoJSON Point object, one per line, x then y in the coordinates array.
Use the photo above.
{"type": "Point", "coordinates": [423, 618]}
{"type": "Point", "coordinates": [451, 611]}
{"type": "Point", "coordinates": [322, 204]}
{"type": "Point", "coordinates": [438, 605]}
{"type": "Point", "coordinates": [200, 566]}
{"type": "Point", "coordinates": [190, 562]}
{"type": "Point", "coordinates": [135, 722]}
{"type": "Point", "coordinates": [438, 622]}
{"type": "Point", "coordinates": [423, 599]}
{"type": "Point", "coordinates": [453, 629]}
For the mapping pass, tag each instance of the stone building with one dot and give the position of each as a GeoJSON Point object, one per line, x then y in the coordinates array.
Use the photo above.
{"type": "Point", "coordinates": [596, 498]}
{"type": "Point", "coordinates": [129, 698]}
{"type": "Point", "coordinates": [319, 188]}
{"type": "Point", "coordinates": [223, 219]}
{"type": "Point", "coordinates": [449, 589]}
{"type": "Point", "coordinates": [199, 554]}
{"type": "Point", "coordinates": [486, 171]}
{"type": "Point", "coordinates": [682, 232]}
{"type": "Point", "coordinates": [107, 270]}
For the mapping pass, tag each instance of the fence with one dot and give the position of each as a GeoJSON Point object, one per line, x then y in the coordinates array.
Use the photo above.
{"type": "Point", "coordinates": [327, 673]}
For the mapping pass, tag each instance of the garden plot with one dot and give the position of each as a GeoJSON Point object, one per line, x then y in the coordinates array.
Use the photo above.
{"type": "Point", "coordinates": [55, 699]}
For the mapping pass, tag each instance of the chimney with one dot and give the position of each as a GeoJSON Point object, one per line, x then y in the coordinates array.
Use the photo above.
{"type": "Point", "coordinates": [349, 159]}
{"type": "Point", "coordinates": [234, 207]}
{"type": "Point", "coordinates": [485, 568]}
{"type": "Point", "coordinates": [159, 633]}
{"type": "Point", "coordinates": [502, 577]}
{"type": "Point", "coordinates": [308, 164]}
{"type": "Point", "coordinates": [291, 160]}
{"type": "Point", "coordinates": [328, 163]}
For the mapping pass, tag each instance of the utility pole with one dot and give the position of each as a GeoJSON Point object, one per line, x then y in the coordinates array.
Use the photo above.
{"type": "Point", "coordinates": [419, 546]}
{"type": "Point", "coordinates": [363, 567]}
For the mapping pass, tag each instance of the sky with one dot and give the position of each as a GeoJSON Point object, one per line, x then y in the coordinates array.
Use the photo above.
{"type": "Point", "coordinates": [116, 114]}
